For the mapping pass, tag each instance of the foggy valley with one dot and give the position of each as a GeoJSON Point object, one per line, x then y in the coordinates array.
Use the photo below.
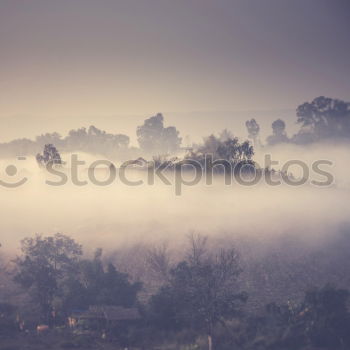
{"type": "Point", "coordinates": [174, 175]}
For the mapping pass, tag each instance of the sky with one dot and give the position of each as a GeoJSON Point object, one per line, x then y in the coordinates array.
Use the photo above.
{"type": "Point", "coordinates": [115, 62]}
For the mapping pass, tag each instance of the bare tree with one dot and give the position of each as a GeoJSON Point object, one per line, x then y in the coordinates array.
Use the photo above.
{"type": "Point", "coordinates": [159, 261]}
{"type": "Point", "coordinates": [197, 247]}
{"type": "Point", "coordinates": [202, 290]}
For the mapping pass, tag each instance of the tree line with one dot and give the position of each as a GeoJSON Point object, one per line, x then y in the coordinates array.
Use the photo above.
{"type": "Point", "coordinates": [201, 302]}
{"type": "Point", "coordinates": [153, 139]}
{"type": "Point", "coordinates": [321, 119]}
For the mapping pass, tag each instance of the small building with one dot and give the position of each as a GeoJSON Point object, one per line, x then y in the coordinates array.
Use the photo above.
{"type": "Point", "coordinates": [103, 318]}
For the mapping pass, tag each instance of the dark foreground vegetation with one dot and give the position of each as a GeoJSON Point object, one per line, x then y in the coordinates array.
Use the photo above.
{"type": "Point", "coordinates": [55, 297]}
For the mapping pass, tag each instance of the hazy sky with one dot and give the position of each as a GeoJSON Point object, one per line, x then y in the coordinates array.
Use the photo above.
{"type": "Point", "coordinates": [125, 57]}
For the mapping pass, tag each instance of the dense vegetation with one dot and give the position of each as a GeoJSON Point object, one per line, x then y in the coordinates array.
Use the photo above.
{"type": "Point", "coordinates": [196, 301]}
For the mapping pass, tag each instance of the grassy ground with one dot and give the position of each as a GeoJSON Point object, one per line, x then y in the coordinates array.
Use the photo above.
{"type": "Point", "coordinates": [54, 342]}
{"type": "Point", "coordinates": [63, 339]}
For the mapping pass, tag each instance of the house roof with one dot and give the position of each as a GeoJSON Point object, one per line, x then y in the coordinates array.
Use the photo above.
{"type": "Point", "coordinates": [111, 313]}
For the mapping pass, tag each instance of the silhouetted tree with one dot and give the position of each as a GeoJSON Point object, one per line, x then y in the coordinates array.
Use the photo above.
{"type": "Point", "coordinates": [49, 156]}
{"type": "Point", "coordinates": [320, 321]}
{"type": "Point", "coordinates": [253, 129]}
{"type": "Point", "coordinates": [154, 138]}
{"type": "Point", "coordinates": [325, 318]}
{"type": "Point", "coordinates": [158, 261]}
{"type": "Point", "coordinates": [96, 285]}
{"type": "Point", "coordinates": [278, 133]}
{"type": "Point", "coordinates": [43, 266]}
{"type": "Point", "coordinates": [230, 149]}
{"type": "Point", "coordinates": [202, 291]}
{"type": "Point", "coordinates": [322, 118]}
